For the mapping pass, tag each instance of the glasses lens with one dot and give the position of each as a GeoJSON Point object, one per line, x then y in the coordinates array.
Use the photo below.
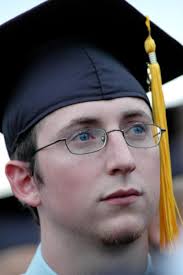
{"type": "Point", "coordinates": [142, 135]}
{"type": "Point", "coordinates": [86, 141]}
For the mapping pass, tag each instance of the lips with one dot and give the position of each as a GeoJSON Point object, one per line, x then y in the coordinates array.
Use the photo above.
{"type": "Point", "coordinates": [122, 196]}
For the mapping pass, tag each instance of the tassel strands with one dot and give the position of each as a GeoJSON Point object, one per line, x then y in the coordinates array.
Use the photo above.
{"type": "Point", "coordinates": [168, 207]}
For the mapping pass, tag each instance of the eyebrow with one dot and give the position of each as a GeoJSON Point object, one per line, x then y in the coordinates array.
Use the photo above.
{"type": "Point", "coordinates": [136, 113]}
{"type": "Point", "coordinates": [92, 121]}
{"type": "Point", "coordinates": [77, 122]}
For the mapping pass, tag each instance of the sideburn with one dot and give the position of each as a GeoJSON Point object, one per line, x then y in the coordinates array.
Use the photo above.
{"type": "Point", "coordinates": [37, 173]}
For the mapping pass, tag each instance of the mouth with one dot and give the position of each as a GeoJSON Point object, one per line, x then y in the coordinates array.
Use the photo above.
{"type": "Point", "coordinates": [122, 197]}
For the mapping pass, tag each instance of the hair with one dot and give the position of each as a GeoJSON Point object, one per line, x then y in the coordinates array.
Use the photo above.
{"type": "Point", "coordinates": [25, 148]}
{"type": "Point", "coordinates": [26, 145]}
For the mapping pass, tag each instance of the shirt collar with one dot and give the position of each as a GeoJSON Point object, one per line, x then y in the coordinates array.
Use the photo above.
{"type": "Point", "coordinates": [39, 266]}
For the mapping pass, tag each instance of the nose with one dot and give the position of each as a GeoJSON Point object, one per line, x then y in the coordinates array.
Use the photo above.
{"type": "Point", "coordinates": [119, 158]}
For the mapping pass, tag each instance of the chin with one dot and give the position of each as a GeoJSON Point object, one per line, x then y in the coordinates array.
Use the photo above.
{"type": "Point", "coordinates": [118, 235]}
{"type": "Point", "coordinates": [120, 239]}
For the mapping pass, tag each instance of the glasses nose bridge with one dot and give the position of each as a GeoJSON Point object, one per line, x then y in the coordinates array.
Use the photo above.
{"type": "Point", "coordinates": [116, 130]}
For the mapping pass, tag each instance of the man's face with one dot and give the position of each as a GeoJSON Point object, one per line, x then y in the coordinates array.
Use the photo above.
{"type": "Point", "coordinates": [110, 195]}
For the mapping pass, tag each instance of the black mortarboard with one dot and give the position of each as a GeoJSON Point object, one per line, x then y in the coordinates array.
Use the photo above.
{"type": "Point", "coordinates": [113, 25]}
{"type": "Point", "coordinates": [37, 77]}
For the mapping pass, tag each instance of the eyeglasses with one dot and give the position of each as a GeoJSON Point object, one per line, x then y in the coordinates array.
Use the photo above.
{"type": "Point", "coordinates": [90, 140]}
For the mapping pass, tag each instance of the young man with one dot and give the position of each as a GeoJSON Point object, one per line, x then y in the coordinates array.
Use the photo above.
{"type": "Point", "coordinates": [80, 134]}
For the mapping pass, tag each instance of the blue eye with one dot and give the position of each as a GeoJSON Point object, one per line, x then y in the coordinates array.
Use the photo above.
{"type": "Point", "coordinates": [138, 129]}
{"type": "Point", "coordinates": [84, 136]}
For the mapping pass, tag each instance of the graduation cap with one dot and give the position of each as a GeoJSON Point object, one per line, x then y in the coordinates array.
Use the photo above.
{"type": "Point", "coordinates": [53, 55]}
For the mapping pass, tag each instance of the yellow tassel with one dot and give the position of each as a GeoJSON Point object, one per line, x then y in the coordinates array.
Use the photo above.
{"type": "Point", "coordinates": [168, 207]}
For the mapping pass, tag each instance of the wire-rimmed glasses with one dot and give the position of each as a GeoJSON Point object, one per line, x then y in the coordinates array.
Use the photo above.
{"type": "Point", "coordinates": [90, 140]}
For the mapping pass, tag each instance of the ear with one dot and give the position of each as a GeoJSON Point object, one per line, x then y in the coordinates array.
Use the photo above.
{"type": "Point", "coordinates": [22, 183]}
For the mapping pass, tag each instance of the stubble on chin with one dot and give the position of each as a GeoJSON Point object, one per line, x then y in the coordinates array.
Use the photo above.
{"type": "Point", "coordinates": [119, 240]}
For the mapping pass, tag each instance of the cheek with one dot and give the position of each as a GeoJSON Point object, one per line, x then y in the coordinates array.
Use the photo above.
{"type": "Point", "coordinates": [149, 164]}
{"type": "Point", "coordinates": [149, 168]}
{"type": "Point", "coordinates": [69, 181]}
{"type": "Point", "coordinates": [68, 195]}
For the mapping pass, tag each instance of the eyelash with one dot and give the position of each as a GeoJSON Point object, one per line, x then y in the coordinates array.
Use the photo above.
{"type": "Point", "coordinates": [132, 122]}
{"type": "Point", "coordinates": [70, 133]}
{"type": "Point", "coordinates": [79, 130]}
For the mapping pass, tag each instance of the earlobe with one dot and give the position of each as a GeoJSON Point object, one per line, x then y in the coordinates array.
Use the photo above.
{"type": "Point", "coordinates": [22, 183]}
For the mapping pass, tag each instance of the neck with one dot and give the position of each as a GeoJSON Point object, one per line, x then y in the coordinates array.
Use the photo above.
{"type": "Point", "coordinates": [68, 255]}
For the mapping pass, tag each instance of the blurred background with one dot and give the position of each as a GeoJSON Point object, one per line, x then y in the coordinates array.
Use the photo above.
{"type": "Point", "coordinates": [19, 234]}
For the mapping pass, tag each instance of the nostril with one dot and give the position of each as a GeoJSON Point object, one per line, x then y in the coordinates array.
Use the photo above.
{"type": "Point", "coordinates": [124, 170]}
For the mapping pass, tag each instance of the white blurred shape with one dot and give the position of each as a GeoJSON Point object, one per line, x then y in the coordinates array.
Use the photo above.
{"type": "Point", "coordinates": [5, 189]}
{"type": "Point", "coordinates": [9, 9]}
{"type": "Point", "coordinates": [173, 93]}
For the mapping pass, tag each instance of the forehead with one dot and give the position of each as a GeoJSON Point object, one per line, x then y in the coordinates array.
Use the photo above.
{"type": "Point", "coordinates": [101, 110]}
